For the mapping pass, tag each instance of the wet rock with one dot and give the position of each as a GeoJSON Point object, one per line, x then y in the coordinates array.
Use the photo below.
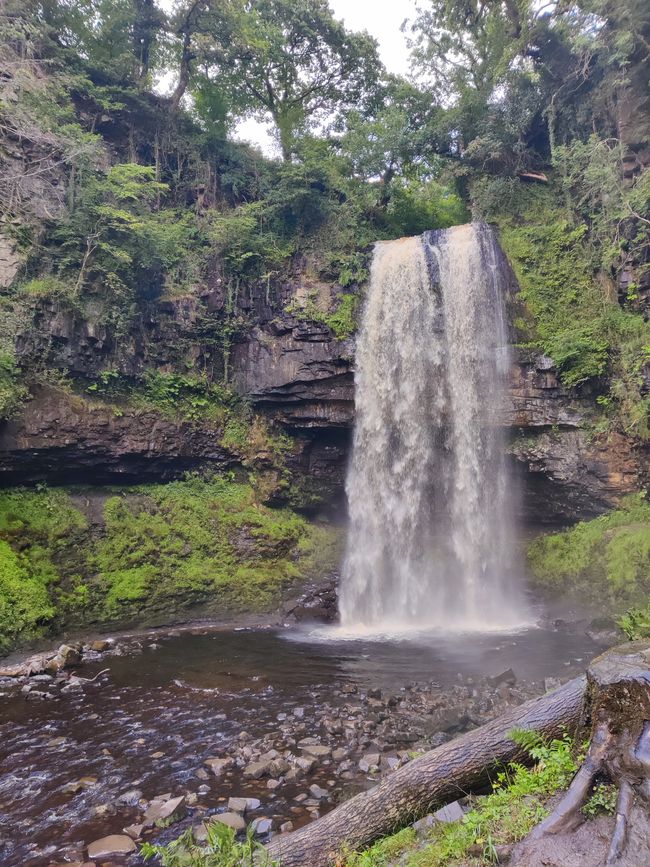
{"type": "Point", "coordinates": [232, 820]}
{"type": "Point", "coordinates": [506, 678]}
{"type": "Point", "coordinates": [262, 826]}
{"type": "Point", "coordinates": [100, 645]}
{"type": "Point", "coordinates": [134, 831]}
{"type": "Point", "coordinates": [219, 765]}
{"type": "Point", "coordinates": [369, 762]}
{"type": "Point", "coordinates": [317, 751]}
{"type": "Point", "coordinates": [77, 785]}
{"type": "Point", "coordinates": [55, 664]}
{"type": "Point", "coordinates": [317, 792]}
{"type": "Point", "coordinates": [69, 655]}
{"type": "Point", "coordinates": [256, 770]}
{"type": "Point", "coordinates": [272, 784]}
{"type": "Point", "coordinates": [285, 827]}
{"type": "Point", "coordinates": [242, 805]}
{"type": "Point", "coordinates": [107, 847]}
{"type": "Point", "coordinates": [165, 811]}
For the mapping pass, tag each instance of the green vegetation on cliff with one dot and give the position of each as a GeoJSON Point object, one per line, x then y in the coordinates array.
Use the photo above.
{"type": "Point", "coordinates": [155, 550]}
{"type": "Point", "coordinates": [606, 559]}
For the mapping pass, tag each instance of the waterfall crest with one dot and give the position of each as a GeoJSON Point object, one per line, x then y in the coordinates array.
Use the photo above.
{"type": "Point", "coordinates": [430, 542]}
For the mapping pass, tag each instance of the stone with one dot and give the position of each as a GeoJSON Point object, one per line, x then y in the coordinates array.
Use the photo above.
{"type": "Point", "coordinates": [113, 845]}
{"type": "Point", "coordinates": [262, 825]}
{"type": "Point", "coordinates": [255, 770]}
{"type": "Point", "coordinates": [233, 820]}
{"type": "Point", "coordinates": [100, 645]}
{"type": "Point", "coordinates": [506, 678]}
{"type": "Point", "coordinates": [272, 785]}
{"type": "Point", "coordinates": [450, 812]}
{"type": "Point", "coordinates": [241, 805]}
{"type": "Point", "coordinates": [219, 765]}
{"type": "Point", "coordinates": [77, 785]}
{"type": "Point", "coordinates": [551, 683]}
{"type": "Point", "coordinates": [134, 831]}
{"type": "Point", "coordinates": [166, 812]}
{"type": "Point", "coordinates": [317, 792]}
{"type": "Point", "coordinates": [69, 655]}
{"type": "Point", "coordinates": [285, 827]}
{"type": "Point", "coordinates": [369, 762]}
{"type": "Point", "coordinates": [318, 751]}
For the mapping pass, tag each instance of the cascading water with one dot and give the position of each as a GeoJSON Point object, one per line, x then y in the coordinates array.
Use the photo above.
{"type": "Point", "coordinates": [430, 542]}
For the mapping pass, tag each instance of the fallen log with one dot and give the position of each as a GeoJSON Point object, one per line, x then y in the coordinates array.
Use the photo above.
{"type": "Point", "coordinates": [457, 768]}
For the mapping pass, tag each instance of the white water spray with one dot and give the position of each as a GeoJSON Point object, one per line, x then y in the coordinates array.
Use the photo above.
{"type": "Point", "coordinates": [431, 516]}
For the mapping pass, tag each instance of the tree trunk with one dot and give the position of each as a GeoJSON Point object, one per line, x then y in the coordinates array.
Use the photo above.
{"type": "Point", "coordinates": [463, 765]}
{"type": "Point", "coordinates": [618, 702]}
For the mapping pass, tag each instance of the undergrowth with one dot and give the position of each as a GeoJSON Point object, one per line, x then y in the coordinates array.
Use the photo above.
{"type": "Point", "coordinates": [516, 804]}
{"type": "Point", "coordinates": [566, 276]}
{"type": "Point", "coordinates": [606, 559]}
{"type": "Point", "coordinates": [220, 849]}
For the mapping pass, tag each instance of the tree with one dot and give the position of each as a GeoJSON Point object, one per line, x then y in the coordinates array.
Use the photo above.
{"type": "Point", "coordinates": [287, 59]}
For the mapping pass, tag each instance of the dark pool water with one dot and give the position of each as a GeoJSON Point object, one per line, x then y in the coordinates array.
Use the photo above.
{"type": "Point", "coordinates": [160, 712]}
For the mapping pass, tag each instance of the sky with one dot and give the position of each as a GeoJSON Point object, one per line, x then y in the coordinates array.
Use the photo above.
{"type": "Point", "coordinates": [381, 18]}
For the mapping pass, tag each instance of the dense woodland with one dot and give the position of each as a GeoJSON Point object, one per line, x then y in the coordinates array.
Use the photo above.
{"type": "Point", "coordinates": [124, 192]}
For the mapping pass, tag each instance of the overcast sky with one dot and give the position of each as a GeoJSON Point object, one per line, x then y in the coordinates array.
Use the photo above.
{"type": "Point", "coordinates": [381, 18]}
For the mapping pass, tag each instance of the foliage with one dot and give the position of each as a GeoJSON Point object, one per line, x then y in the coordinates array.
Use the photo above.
{"type": "Point", "coordinates": [606, 558]}
{"type": "Point", "coordinates": [602, 800]}
{"type": "Point", "coordinates": [635, 623]}
{"type": "Point", "coordinates": [12, 391]}
{"type": "Point", "coordinates": [573, 317]}
{"type": "Point", "coordinates": [220, 849]}
{"type": "Point", "coordinates": [288, 60]}
{"type": "Point", "coordinates": [341, 320]}
{"type": "Point", "coordinates": [516, 805]}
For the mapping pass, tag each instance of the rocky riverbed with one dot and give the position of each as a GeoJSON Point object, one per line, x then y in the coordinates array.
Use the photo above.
{"type": "Point", "coordinates": [109, 743]}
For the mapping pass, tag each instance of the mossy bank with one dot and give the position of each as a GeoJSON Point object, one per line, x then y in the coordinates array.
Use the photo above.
{"type": "Point", "coordinates": [72, 558]}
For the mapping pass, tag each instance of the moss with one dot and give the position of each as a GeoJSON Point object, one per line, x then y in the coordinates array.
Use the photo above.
{"type": "Point", "coordinates": [341, 321]}
{"type": "Point", "coordinates": [608, 558]}
{"type": "Point", "coordinates": [161, 548]}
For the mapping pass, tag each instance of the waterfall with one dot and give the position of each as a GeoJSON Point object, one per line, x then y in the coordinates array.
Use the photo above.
{"type": "Point", "coordinates": [430, 541]}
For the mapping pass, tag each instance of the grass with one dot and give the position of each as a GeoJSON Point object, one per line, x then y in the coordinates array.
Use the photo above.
{"type": "Point", "coordinates": [221, 849]}
{"type": "Point", "coordinates": [516, 805]}
{"type": "Point", "coordinates": [606, 559]}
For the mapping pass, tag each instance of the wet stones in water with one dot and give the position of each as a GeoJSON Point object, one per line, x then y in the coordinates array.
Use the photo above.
{"type": "Point", "coordinates": [243, 805]}
{"type": "Point", "coordinates": [165, 811]}
{"type": "Point", "coordinates": [114, 845]}
{"type": "Point", "coordinates": [219, 765]}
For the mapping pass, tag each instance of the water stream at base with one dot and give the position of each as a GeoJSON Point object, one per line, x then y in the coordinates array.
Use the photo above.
{"type": "Point", "coordinates": [152, 721]}
{"type": "Point", "coordinates": [431, 502]}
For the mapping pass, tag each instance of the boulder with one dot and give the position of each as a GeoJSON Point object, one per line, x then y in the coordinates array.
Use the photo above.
{"type": "Point", "coordinates": [111, 846]}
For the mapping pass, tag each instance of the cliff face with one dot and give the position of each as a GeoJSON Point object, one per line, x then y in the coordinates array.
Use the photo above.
{"type": "Point", "coordinates": [298, 374]}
